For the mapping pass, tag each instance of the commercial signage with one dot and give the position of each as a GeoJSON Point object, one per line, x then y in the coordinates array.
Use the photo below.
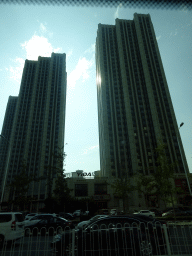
{"type": "Point", "coordinates": [86, 174]}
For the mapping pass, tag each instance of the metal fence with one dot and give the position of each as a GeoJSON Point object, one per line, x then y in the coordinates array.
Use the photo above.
{"type": "Point", "coordinates": [106, 240]}
{"type": "Point", "coordinates": [179, 238]}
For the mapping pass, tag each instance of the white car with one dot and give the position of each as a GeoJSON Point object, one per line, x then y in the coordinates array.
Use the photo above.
{"type": "Point", "coordinates": [146, 213]}
{"type": "Point", "coordinates": [11, 226]}
{"type": "Point", "coordinates": [38, 217]}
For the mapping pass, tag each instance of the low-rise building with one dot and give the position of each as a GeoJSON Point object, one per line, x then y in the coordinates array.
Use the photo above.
{"type": "Point", "coordinates": [93, 186]}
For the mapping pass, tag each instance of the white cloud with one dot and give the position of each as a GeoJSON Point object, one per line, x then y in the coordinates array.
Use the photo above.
{"type": "Point", "coordinates": [116, 15]}
{"type": "Point", "coordinates": [81, 71]}
{"type": "Point", "coordinates": [90, 49]}
{"type": "Point", "coordinates": [34, 47]}
{"type": "Point", "coordinates": [174, 33]}
{"type": "Point", "coordinates": [68, 54]}
{"type": "Point", "coordinates": [158, 38]}
{"type": "Point", "coordinates": [89, 149]}
{"type": "Point", "coordinates": [43, 28]}
{"type": "Point", "coordinates": [38, 46]}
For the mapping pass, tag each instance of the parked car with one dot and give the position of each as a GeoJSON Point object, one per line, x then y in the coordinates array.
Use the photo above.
{"type": "Point", "coordinates": [186, 209]}
{"type": "Point", "coordinates": [158, 213]}
{"type": "Point", "coordinates": [48, 225]}
{"type": "Point", "coordinates": [146, 212]}
{"type": "Point", "coordinates": [113, 212]}
{"type": "Point", "coordinates": [30, 215]}
{"type": "Point", "coordinates": [176, 212]}
{"type": "Point", "coordinates": [82, 224]}
{"type": "Point", "coordinates": [68, 216]}
{"type": "Point", "coordinates": [11, 226]}
{"type": "Point", "coordinates": [86, 213]}
{"type": "Point", "coordinates": [77, 213]}
{"type": "Point", "coordinates": [104, 211]}
{"type": "Point", "coordinates": [113, 235]}
{"type": "Point", "coordinates": [189, 212]}
{"type": "Point", "coordinates": [38, 217]}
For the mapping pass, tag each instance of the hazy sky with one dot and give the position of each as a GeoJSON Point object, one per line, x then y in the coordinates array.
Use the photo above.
{"type": "Point", "coordinates": [27, 32]}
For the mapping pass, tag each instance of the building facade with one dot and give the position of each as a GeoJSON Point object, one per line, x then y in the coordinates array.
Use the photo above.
{"type": "Point", "coordinates": [5, 138]}
{"type": "Point", "coordinates": [135, 110]}
{"type": "Point", "coordinates": [94, 188]}
{"type": "Point", "coordinates": [37, 132]}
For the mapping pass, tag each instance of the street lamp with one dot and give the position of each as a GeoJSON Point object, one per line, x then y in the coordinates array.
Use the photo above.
{"type": "Point", "coordinates": [6, 169]}
{"type": "Point", "coordinates": [181, 125]}
{"type": "Point", "coordinates": [184, 161]}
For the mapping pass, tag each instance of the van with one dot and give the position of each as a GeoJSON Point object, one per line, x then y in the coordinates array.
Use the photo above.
{"type": "Point", "coordinates": [11, 226]}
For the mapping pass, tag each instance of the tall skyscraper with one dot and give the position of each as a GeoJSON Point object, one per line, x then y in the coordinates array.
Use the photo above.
{"type": "Point", "coordinates": [38, 126]}
{"type": "Point", "coordinates": [5, 138]}
{"type": "Point", "coordinates": [135, 110]}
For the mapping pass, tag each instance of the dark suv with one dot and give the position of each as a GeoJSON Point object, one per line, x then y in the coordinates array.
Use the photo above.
{"type": "Point", "coordinates": [113, 235]}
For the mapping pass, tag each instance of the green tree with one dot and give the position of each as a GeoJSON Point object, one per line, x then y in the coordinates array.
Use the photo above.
{"type": "Point", "coordinates": [20, 186]}
{"type": "Point", "coordinates": [145, 185]}
{"type": "Point", "coordinates": [53, 170]}
{"type": "Point", "coordinates": [161, 181]}
{"type": "Point", "coordinates": [163, 175]}
{"type": "Point", "coordinates": [61, 193]}
{"type": "Point", "coordinates": [122, 188]}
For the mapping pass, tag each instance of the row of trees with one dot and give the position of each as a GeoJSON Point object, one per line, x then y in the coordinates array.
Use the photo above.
{"type": "Point", "coordinates": [56, 199]}
{"type": "Point", "coordinates": [160, 183]}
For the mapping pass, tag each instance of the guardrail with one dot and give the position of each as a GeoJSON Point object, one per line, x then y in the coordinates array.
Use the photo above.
{"type": "Point", "coordinates": [179, 238]}
{"type": "Point", "coordinates": [107, 240]}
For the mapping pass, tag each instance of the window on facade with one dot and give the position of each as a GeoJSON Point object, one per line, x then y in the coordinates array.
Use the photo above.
{"type": "Point", "coordinates": [100, 189]}
{"type": "Point", "coordinates": [81, 189]}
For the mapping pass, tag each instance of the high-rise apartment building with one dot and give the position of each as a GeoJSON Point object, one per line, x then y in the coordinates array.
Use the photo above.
{"type": "Point", "coordinates": [5, 138]}
{"type": "Point", "coordinates": [37, 131]}
{"type": "Point", "coordinates": [135, 110]}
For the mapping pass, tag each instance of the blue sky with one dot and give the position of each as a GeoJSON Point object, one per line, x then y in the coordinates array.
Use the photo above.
{"type": "Point", "coordinates": [27, 32]}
